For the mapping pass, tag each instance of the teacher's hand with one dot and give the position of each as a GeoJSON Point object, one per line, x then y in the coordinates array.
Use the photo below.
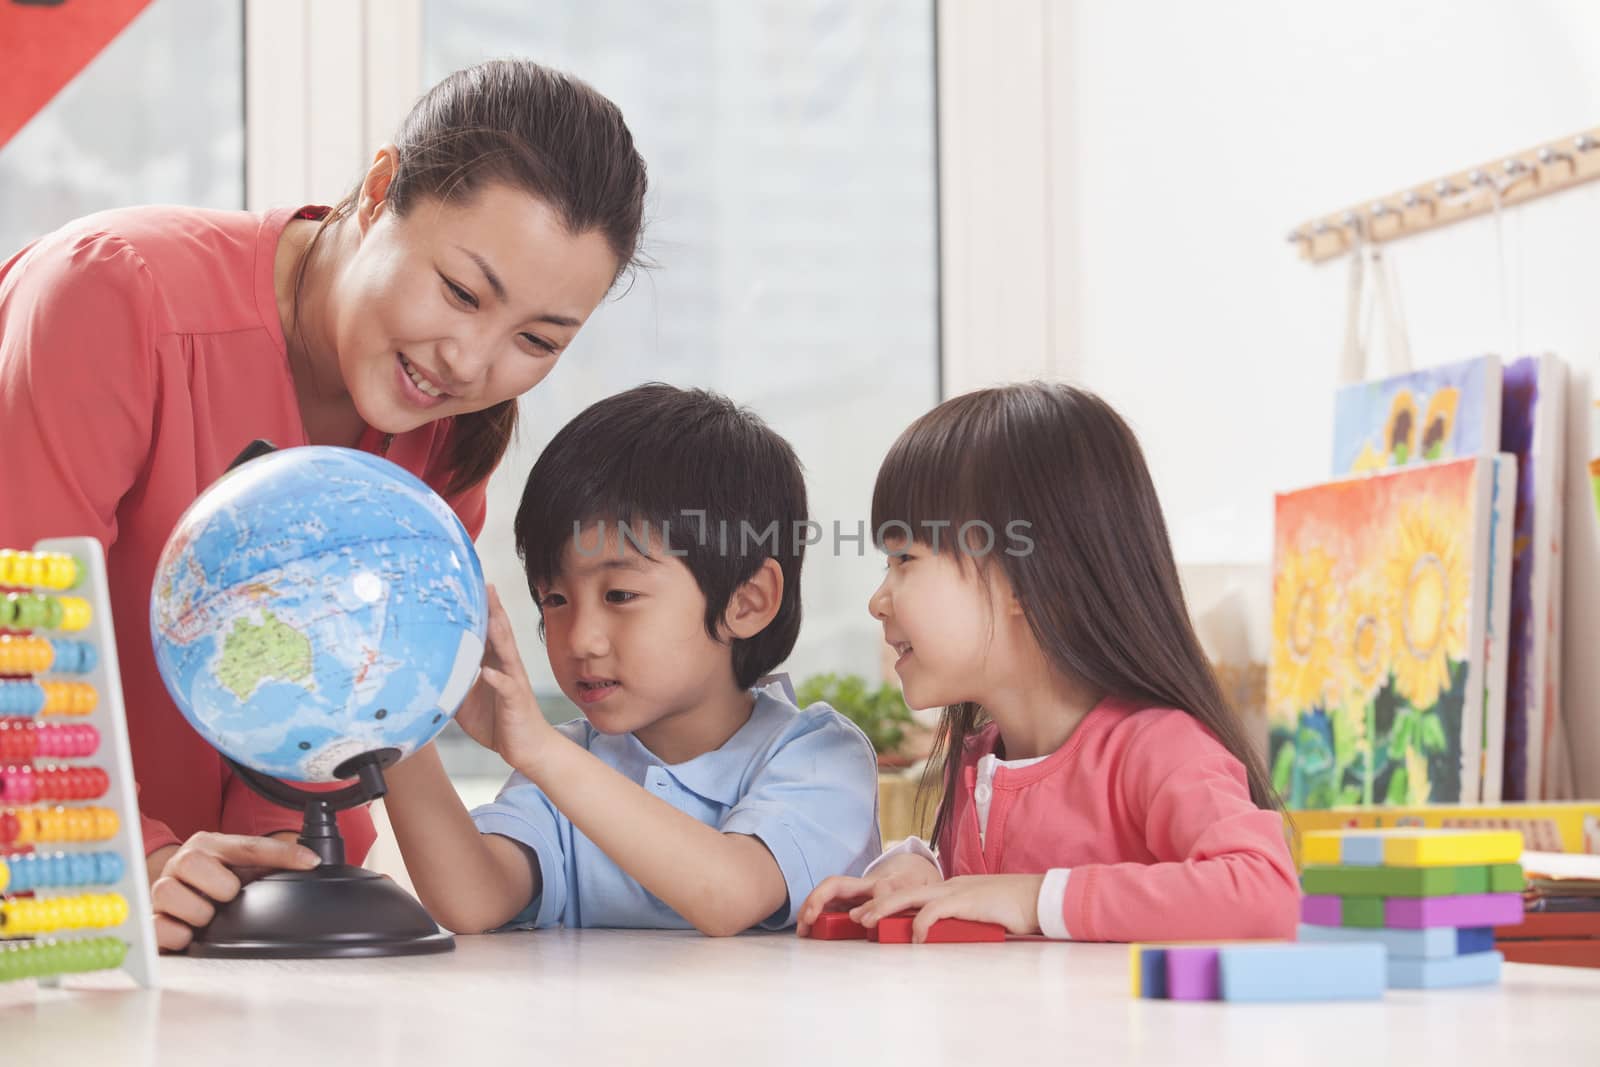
{"type": "Point", "coordinates": [188, 881]}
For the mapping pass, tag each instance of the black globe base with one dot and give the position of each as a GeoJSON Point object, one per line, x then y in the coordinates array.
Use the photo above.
{"type": "Point", "coordinates": [331, 911]}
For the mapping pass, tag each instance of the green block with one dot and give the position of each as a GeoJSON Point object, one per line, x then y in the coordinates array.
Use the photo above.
{"type": "Point", "coordinates": [1341, 881]}
{"type": "Point", "coordinates": [1506, 878]}
{"type": "Point", "coordinates": [1363, 911]}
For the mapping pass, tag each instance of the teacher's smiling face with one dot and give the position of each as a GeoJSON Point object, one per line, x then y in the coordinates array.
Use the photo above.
{"type": "Point", "coordinates": [460, 304]}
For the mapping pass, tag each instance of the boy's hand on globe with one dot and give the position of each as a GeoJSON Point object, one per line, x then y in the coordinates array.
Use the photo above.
{"type": "Point", "coordinates": [500, 712]}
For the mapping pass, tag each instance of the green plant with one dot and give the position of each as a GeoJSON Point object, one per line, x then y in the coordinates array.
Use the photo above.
{"type": "Point", "coordinates": [880, 712]}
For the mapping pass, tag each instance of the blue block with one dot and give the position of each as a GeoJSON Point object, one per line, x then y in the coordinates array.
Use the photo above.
{"type": "Point", "coordinates": [1361, 851]}
{"type": "Point", "coordinates": [1303, 972]}
{"type": "Point", "coordinates": [1153, 973]}
{"type": "Point", "coordinates": [1480, 968]}
{"type": "Point", "coordinates": [1436, 942]}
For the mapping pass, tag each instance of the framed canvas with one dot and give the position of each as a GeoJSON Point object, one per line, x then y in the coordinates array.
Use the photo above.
{"type": "Point", "coordinates": [1451, 411]}
{"type": "Point", "coordinates": [1387, 676]}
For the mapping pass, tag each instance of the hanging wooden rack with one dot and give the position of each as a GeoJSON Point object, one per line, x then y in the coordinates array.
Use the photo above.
{"type": "Point", "coordinates": [1521, 176]}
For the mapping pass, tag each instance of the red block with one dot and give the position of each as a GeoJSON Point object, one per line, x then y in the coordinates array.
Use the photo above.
{"type": "Point", "coordinates": [837, 926]}
{"type": "Point", "coordinates": [896, 930]}
{"type": "Point", "coordinates": [952, 931]}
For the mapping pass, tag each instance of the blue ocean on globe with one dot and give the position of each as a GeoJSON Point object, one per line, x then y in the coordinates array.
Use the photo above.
{"type": "Point", "coordinates": [314, 604]}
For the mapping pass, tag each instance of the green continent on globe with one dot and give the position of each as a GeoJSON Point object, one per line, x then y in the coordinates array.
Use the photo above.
{"type": "Point", "coordinates": [252, 654]}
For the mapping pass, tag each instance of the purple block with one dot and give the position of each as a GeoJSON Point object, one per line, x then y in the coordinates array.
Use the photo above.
{"type": "Point", "coordinates": [1322, 911]}
{"type": "Point", "coordinates": [1192, 974]}
{"type": "Point", "coordinates": [1482, 909]}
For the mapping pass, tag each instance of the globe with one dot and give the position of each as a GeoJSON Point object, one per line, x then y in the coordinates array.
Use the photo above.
{"type": "Point", "coordinates": [315, 604]}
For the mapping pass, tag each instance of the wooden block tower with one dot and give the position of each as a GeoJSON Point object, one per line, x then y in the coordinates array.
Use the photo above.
{"type": "Point", "coordinates": [1431, 897]}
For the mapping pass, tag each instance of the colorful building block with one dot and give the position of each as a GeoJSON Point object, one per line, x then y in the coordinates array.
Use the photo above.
{"type": "Point", "coordinates": [1485, 909]}
{"type": "Point", "coordinates": [1506, 878]}
{"type": "Point", "coordinates": [1365, 912]}
{"type": "Point", "coordinates": [1480, 968]}
{"type": "Point", "coordinates": [1322, 910]}
{"type": "Point", "coordinates": [1433, 943]}
{"type": "Point", "coordinates": [964, 931]}
{"type": "Point", "coordinates": [1426, 848]}
{"type": "Point", "coordinates": [837, 926]}
{"type": "Point", "coordinates": [1409, 847]}
{"type": "Point", "coordinates": [1394, 881]}
{"type": "Point", "coordinates": [1148, 969]}
{"type": "Point", "coordinates": [1361, 851]}
{"type": "Point", "coordinates": [896, 930]}
{"type": "Point", "coordinates": [1322, 847]}
{"type": "Point", "coordinates": [1192, 973]}
{"type": "Point", "coordinates": [1303, 972]}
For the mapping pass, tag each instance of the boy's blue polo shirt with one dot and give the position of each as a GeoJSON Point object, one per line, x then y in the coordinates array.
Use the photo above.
{"type": "Point", "coordinates": [805, 783]}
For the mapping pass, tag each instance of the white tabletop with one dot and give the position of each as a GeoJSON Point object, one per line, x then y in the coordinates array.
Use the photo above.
{"type": "Point", "coordinates": [667, 997]}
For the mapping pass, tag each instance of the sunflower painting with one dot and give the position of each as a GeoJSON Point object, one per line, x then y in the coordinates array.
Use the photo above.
{"type": "Point", "coordinates": [1445, 412]}
{"type": "Point", "coordinates": [1388, 654]}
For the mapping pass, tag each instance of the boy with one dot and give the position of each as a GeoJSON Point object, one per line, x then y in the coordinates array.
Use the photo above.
{"type": "Point", "coordinates": [661, 535]}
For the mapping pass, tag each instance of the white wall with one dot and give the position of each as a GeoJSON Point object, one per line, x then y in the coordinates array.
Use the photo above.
{"type": "Point", "coordinates": [1183, 142]}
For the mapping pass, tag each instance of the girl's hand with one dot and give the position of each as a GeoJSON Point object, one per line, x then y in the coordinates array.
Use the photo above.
{"type": "Point", "coordinates": [894, 875]}
{"type": "Point", "coordinates": [500, 711]}
{"type": "Point", "coordinates": [1012, 900]}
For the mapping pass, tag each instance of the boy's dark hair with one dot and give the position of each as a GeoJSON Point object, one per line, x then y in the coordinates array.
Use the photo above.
{"type": "Point", "coordinates": [655, 458]}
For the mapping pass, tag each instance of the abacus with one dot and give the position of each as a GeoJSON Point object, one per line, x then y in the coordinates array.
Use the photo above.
{"type": "Point", "coordinates": [73, 889]}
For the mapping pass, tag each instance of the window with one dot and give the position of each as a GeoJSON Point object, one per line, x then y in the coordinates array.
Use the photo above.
{"type": "Point", "coordinates": [793, 221]}
{"type": "Point", "coordinates": [157, 117]}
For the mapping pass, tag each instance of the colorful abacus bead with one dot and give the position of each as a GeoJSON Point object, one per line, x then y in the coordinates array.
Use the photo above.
{"type": "Point", "coordinates": [32, 871]}
{"type": "Point", "coordinates": [21, 697]}
{"type": "Point", "coordinates": [21, 827]}
{"type": "Point", "coordinates": [62, 571]}
{"type": "Point", "coordinates": [75, 613]}
{"type": "Point", "coordinates": [38, 959]}
{"type": "Point", "coordinates": [25, 654]}
{"type": "Point", "coordinates": [39, 570]}
{"type": "Point", "coordinates": [69, 698]}
{"type": "Point", "coordinates": [70, 741]}
{"type": "Point", "coordinates": [28, 611]}
{"type": "Point", "coordinates": [71, 783]}
{"type": "Point", "coordinates": [17, 784]}
{"type": "Point", "coordinates": [24, 784]}
{"type": "Point", "coordinates": [19, 741]}
{"type": "Point", "coordinates": [25, 917]}
{"type": "Point", "coordinates": [72, 656]}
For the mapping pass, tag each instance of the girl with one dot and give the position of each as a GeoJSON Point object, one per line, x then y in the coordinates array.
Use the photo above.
{"type": "Point", "coordinates": [1096, 786]}
{"type": "Point", "coordinates": [142, 349]}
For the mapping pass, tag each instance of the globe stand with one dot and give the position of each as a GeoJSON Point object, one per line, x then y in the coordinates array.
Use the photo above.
{"type": "Point", "coordinates": [333, 910]}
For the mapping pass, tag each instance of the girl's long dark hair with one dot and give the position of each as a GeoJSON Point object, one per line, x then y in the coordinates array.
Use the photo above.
{"type": "Point", "coordinates": [540, 131]}
{"type": "Point", "coordinates": [1098, 585]}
